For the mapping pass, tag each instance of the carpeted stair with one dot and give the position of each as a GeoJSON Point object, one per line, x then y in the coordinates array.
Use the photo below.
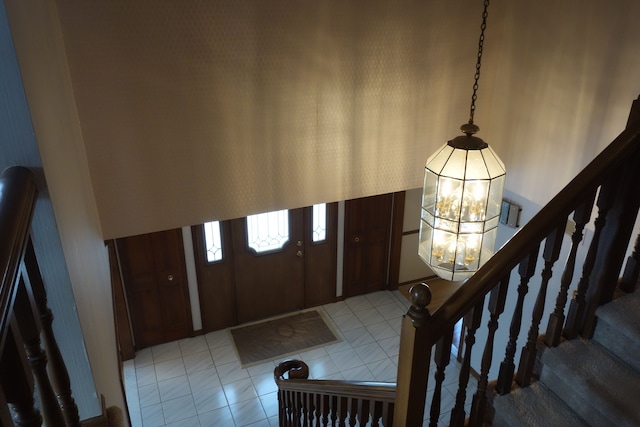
{"type": "Point", "coordinates": [585, 383]}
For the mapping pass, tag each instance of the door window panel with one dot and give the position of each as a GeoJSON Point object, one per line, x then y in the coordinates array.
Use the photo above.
{"type": "Point", "coordinates": [319, 222]}
{"type": "Point", "coordinates": [268, 231]}
{"type": "Point", "coordinates": [213, 241]}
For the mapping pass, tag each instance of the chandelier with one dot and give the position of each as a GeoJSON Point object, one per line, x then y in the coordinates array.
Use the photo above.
{"type": "Point", "coordinates": [461, 199]}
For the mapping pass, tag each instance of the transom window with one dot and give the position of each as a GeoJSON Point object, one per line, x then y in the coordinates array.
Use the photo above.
{"type": "Point", "coordinates": [213, 241]}
{"type": "Point", "coordinates": [319, 229]}
{"type": "Point", "coordinates": [268, 231]}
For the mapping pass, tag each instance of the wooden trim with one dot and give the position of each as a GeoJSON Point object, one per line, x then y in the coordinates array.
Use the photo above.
{"type": "Point", "coordinates": [124, 337]}
{"type": "Point", "coordinates": [395, 241]}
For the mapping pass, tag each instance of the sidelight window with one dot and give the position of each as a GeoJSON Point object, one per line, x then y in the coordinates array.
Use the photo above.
{"type": "Point", "coordinates": [319, 219]}
{"type": "Point", "coordinates": [213, 241]}
{"type": "Point", "coordinates": [268, 231]}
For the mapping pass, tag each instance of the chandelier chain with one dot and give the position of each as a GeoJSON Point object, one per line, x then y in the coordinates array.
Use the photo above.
{"type": "Point", "coordinates": [479, 62]}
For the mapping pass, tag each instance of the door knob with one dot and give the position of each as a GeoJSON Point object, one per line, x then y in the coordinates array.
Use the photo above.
{"type": "Point", "coordinates": [170, 277]}
{"type": "Point", "coordinates": [299, 253]}
{"type": "Point", "coordinates": [357, 239]}
{"type": "Point", "coordinates": [299, 243]}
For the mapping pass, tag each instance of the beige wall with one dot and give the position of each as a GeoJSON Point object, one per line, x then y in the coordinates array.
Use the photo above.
{"type": "Point", "coordinates": [38, 42]}
{"type": "Point", "coordinates": [193, 111]}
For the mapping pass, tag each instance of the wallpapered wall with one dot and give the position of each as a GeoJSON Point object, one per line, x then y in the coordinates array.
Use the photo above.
{"type": "Point", "coordinates": [198, 110]}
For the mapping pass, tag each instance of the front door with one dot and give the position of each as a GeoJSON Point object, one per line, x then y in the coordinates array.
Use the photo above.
{"type": "Point", "coordinates": [269, 263]}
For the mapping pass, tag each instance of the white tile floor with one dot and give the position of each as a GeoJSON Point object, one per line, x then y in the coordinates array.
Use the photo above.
{"type": "Point", "coordinates": [199, 382]}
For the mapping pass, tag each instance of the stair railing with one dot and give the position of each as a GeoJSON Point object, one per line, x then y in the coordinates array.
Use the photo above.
{"type": "Point", "coordinates": [304, 402]}
{"type": "Point", "coordinates": [611, 181]}
{"type": "Point", "coordinates": [25, 318]}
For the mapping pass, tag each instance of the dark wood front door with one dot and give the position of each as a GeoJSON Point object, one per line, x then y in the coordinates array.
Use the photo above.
{"type": "Point", "coordinates": [366, 245]}
{"type": "Point", "coordinates": [155, 280]}
{"type": "Point", "coordinates": [244, 285]}
{"type": "Point", "coordinates": [269, 282]}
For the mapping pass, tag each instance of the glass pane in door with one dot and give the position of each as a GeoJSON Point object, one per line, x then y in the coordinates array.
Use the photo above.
{"type": "Point", "coordinates": [268, 231]}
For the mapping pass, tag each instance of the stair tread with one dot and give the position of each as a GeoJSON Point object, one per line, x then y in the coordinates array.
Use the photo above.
{"type": "Point", "coordinates": [618, 328]}
{"type": "Point", "coordinates": [623, 312]}
{"type": "Point", "coordinates": [534, 406]}
{"type": "Point", "coordinates": [589, 378]}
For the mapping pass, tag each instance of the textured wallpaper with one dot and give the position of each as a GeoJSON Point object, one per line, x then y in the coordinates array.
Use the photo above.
{"type": "Point", "coordinates": [200, 110]}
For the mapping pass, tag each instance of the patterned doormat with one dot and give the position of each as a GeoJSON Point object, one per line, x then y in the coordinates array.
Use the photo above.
{"type": "Point", "coordinates": [277, 338]}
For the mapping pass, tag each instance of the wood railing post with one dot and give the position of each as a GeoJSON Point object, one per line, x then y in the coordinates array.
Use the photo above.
{"type": "Point", "coordinates": [526, 270]}
{"type": "Point", "coordinates": [614, 241]}
{"type": "Point", "coordinates": [58, 372]}
{"type": "Point", "coordinates": [413, 360]}
{"type": "Point", "coordinates": [556, 319]}
{"type": "Point", "coordinates": [472, 323]}
{"type": "Point", "coordinates": [37, 358]}
{"type": "Point", "coordinates": [575, 316]}
{"type": "Point", "coordinates": [441, 358]}
{"type": "Point", "coordinates": [496, 307]}
{"type": "Point", "coordinates": [550, 254]}
{"type": "Point", "coordinates": [17, 383]}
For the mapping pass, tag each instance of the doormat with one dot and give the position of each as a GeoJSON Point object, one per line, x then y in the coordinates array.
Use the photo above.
{"type": "Point", "coordinates": [272, 339]}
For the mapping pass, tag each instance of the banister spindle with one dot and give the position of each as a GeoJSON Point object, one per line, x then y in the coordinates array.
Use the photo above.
{"type": "Point", "coordinates": [581, 217]}
{"type": "Point", "coordinates": [631, 269]}
{"type": "Point", "coordinates": [58, 372]}
{"type": "Point", "coordinates": [575, 315]}
{"type": "Point", "coordinates": [526, 270]}
{"type": "Point", "coordinates": [550, 254]}
{"type": "Point", "coordinates": [16, 383]}
{"type": "Point", "coordinates": [472, 323]}
{"type": "Point", "coordinates": [441, 358]}
{"type": "Point", "coordinates": [496, 307]}
{"type": "Point", "coordinates": [36, 356]}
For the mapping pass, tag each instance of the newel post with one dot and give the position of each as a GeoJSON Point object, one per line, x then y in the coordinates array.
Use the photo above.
{"type": "Point", "coordinates": [413, 360]}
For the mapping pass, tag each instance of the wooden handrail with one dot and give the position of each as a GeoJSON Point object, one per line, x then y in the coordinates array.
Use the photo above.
{"type": "Point", "coordinates": [372, 390]}
{"type": "Point", "coordinates": [526, 239]}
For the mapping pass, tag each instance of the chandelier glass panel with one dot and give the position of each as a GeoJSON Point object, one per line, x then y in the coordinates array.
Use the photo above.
{"type": "Point", "coordinates": [461, 202]}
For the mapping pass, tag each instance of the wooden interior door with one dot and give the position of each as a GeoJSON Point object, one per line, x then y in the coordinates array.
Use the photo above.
{"type": "Point", "coordinates": [366, 245]}
{"type": "Point", "coordinates": [272, 282]}
{"type": "Point", "coordinates": [155, 280]}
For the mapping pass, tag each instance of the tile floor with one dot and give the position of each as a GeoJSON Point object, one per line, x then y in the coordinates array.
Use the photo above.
{"type": "Point", "coordinates": [199, 382]}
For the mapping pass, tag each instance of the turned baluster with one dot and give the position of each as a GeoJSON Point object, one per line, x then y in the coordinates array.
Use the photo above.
{"type": "Point", "coordinates": [343, 410]}
{"type": "Point", "coordinates": [334, 410]}
{"type": "Point", "coordinates": [57, 369]}
{"type": "Point", "coordinates": [364, 411]}
{"type": "Point", "coordinates": [325, 410]}
{"type": "Point", "coordinates": [377, 415]}
{"type": "Point", "coordinates": [526, 271]}
{"type": "Point", "coordinates": [581, 217]}
{"type": "Point", "coordinates": [550, 254]}
{"type": "Point", "coordinates": [496, 308]}
{"type": "Point", "coordinates": [441, 358]}
{"type": "Point", "coordinates": [17, 384]}
{"type": "Point", "coordinates": [36, 356]}
{"type": "Point", "coordinates": [472, 323]}
{"type": "Point", "coordinates": [577, 306]}
{"type": "Point", "coordinates": [631, 269]}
